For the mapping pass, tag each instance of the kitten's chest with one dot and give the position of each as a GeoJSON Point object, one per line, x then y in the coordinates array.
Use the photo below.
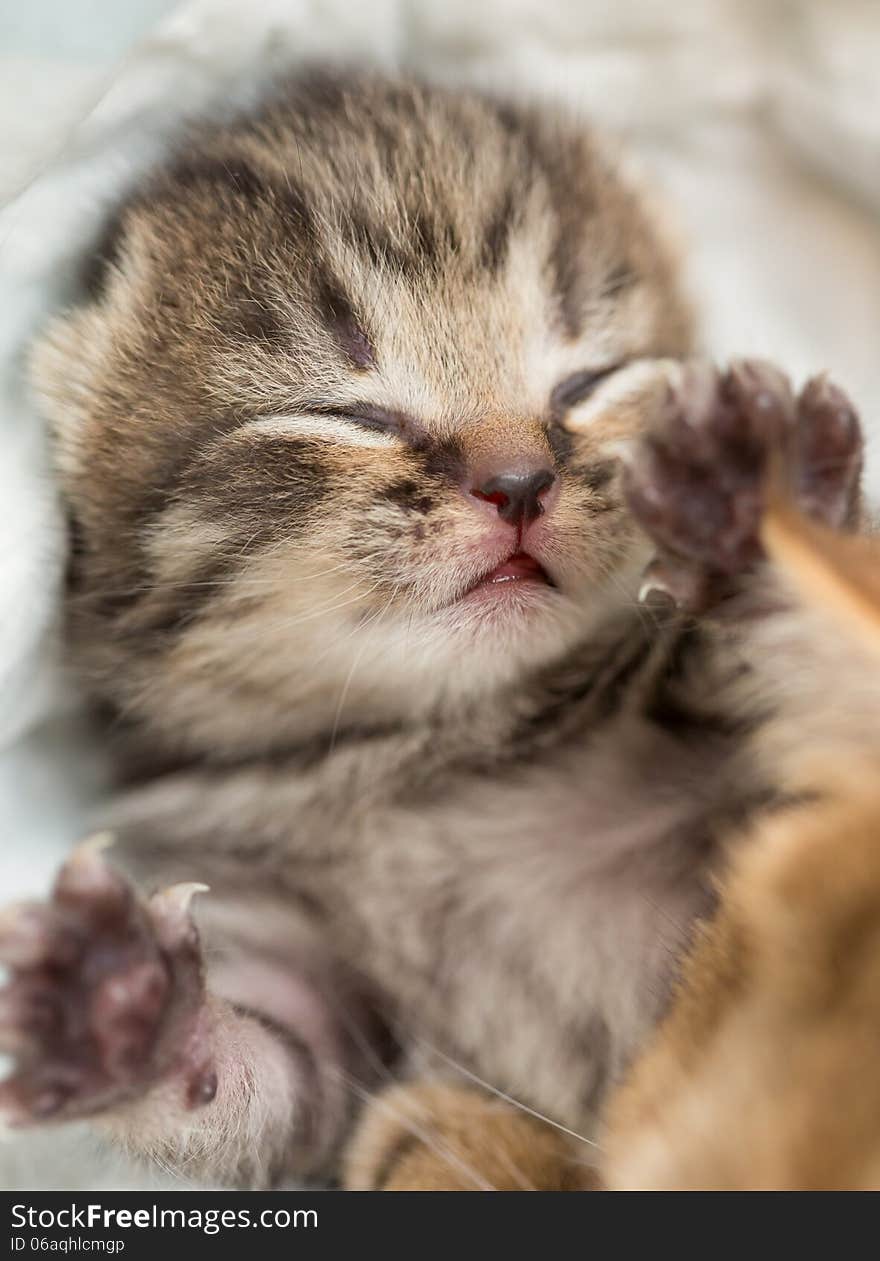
{"type": "Point", "coordinates": [583, 876]}
{"type": "Point", "coordinates": [606, 866]}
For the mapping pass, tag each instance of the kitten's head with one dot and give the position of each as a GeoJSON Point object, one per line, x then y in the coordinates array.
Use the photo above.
{"type": "Point", "coordinates": [315, 426]}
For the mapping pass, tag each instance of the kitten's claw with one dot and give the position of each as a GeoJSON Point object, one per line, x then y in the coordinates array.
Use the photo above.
{"type": "Point", "coordinates": [94, 844]}
{"type": "Point", "coordinates": [170, 913]}
{"type": "Point", "coordinates": [669, 584]}
{"type": "Point", "coordinates": [104, 992]}
{"type": "Point", "coordinates": [698, 479]}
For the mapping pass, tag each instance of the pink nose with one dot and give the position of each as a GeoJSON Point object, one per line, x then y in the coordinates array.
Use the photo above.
{"type": "Point", "coordinates": [517, 496]}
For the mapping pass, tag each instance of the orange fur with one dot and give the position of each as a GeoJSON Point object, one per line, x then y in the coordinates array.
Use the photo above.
{"type": "Point", "coordinates": [447, 1138]}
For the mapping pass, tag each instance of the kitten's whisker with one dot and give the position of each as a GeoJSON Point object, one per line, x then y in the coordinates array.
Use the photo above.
{"type": "Point", "coordinates": [288, 624]}
{"type": "Point", "coordinates": [501, 1094]}
{"type": "Point", "coordinates": [431, 1141]}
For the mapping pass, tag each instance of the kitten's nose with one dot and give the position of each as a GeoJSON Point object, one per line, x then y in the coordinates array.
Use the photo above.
{"type": "Point", "coordinates": [517, 496]}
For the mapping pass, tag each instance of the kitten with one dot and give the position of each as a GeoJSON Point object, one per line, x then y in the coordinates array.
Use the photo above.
{"type": "Point", "coordinates": [353, 580]}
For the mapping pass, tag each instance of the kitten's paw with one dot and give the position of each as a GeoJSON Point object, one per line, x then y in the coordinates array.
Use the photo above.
{"type": "Point", "coordinates": [104, 993]}
{"type": "Point", "coordinates": [697, 482]}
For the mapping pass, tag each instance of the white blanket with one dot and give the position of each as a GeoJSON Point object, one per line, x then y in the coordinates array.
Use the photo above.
{"type": "Point", "coordinates": [762, 119]}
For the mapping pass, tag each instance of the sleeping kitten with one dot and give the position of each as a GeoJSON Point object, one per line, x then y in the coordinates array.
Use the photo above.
{"type": "Point", "coordinates": [353, 581]}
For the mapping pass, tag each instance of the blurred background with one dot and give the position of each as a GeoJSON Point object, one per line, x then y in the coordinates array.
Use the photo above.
{"type": "Point", "coordinates": [759, 120]}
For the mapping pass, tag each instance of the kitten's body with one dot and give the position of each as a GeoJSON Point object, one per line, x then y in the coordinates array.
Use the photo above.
{"type": "Point", "coordinates": [335, 351]}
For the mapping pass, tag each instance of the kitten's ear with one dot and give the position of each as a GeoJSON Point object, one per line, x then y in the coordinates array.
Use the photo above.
{"type": "Point", "coordinates": [64, 368]}
{"type": "Point", "coordinates": [77, 364]}
{"type": "Point", "coordinates": [834, 572]}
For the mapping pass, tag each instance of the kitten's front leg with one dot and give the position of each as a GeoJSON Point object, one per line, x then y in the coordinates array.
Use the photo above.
{"type": "Point", "coordinates": [109, 1017]}
{"type": "Point", "coordinates": [699, 479]}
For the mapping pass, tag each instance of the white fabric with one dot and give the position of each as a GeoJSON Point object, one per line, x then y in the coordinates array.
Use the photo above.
{"type": "Point", "coordinates": [762, 118]}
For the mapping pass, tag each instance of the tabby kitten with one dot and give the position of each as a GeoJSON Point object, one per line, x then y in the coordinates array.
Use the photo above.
{"type": "Point", "coordinates": [353, 582]}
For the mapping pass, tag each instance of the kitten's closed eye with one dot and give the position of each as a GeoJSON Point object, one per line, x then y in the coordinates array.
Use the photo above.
{"type": "Point", "coordinates": [577, 388]}
{"type": "Point", "coordinates": [376, 419]}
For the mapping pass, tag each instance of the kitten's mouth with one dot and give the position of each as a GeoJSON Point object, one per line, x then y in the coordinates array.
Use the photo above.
{"type": "Point", "coordinates": [517, 571]}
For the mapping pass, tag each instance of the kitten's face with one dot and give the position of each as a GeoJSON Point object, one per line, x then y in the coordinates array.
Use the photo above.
{"type": "Point", "coordinates": [338, 430]}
